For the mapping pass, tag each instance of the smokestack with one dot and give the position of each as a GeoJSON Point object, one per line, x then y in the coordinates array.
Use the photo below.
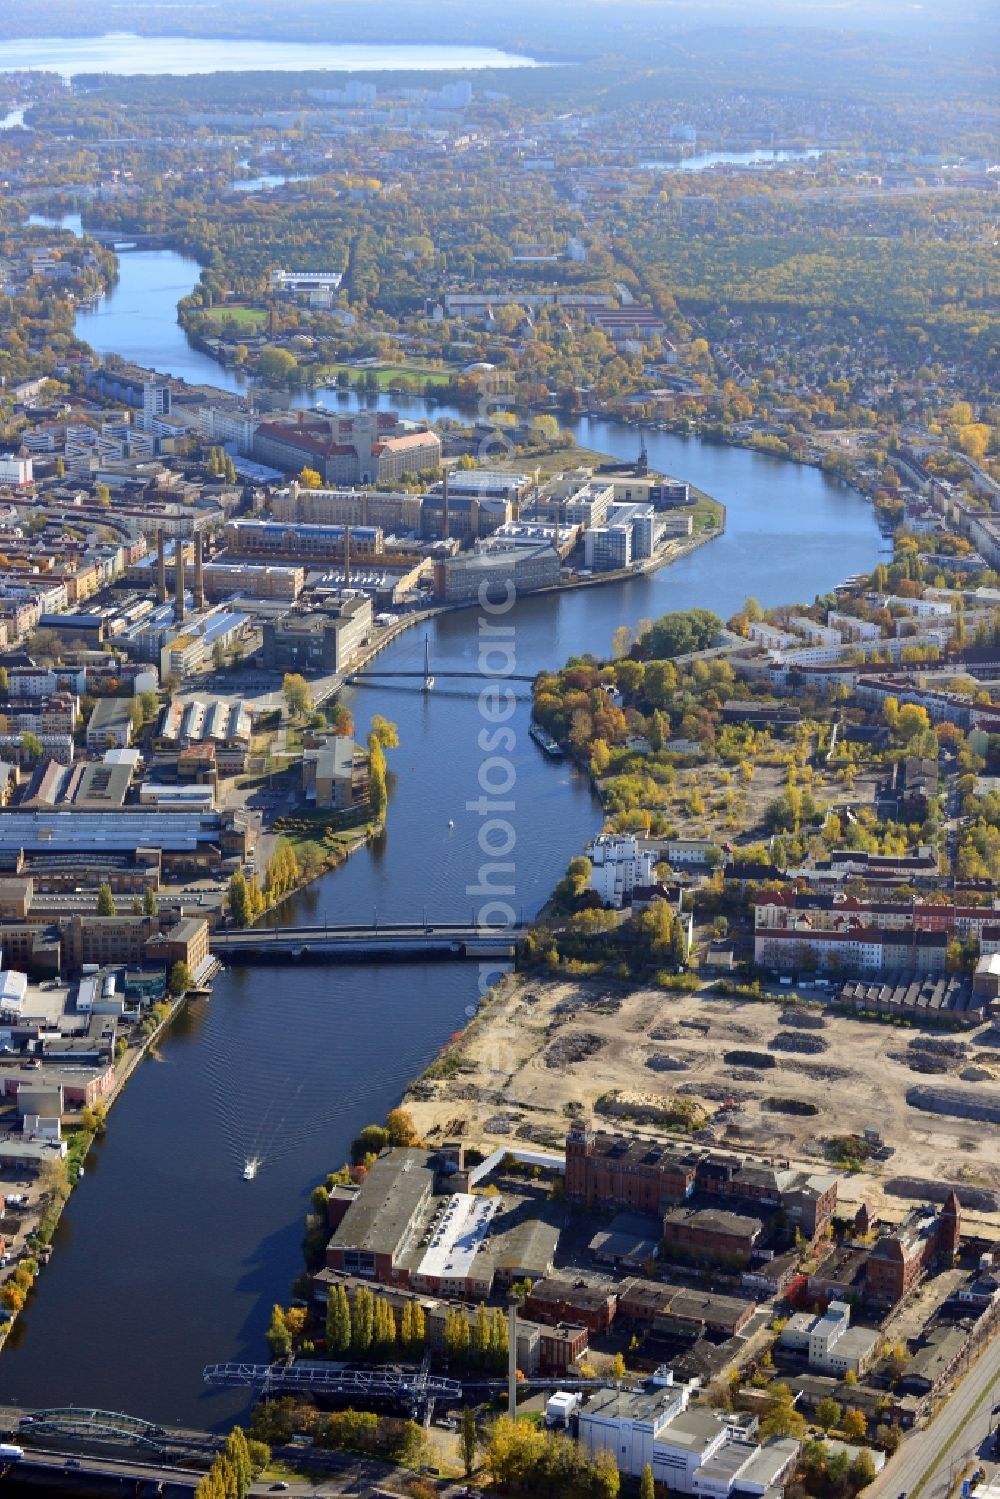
{"type": "Point", "coordinates": [199, 576]}
{"type": "Point", "coordinates": [161, 569]}
{"type": "Point", "coordinates": [445, 527]}
{"type": "Point", "coordinates": [178, 579]}
{"type": "Point", "coordinates": [512, 1304]}
{"type": "Point", "coordinates": [347, 556]}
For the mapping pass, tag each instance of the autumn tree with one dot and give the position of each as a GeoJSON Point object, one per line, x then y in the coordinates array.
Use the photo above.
{"type": "Point", "coordinates": [338, 1320]}
{"type": "Point", "coordinates": [855, 1425]}
{"type": "Point", "coordinates": [401, 1128]}
{"type": "Point", "coordinates": [378, 792]}
{"type": "Point", "coordinates": [179, 980]}
{"type": "Point", "coordinates": [469, 1440]}
{"type": "Point", "coordinates": [362, 1320]}
{"type": "Point", "coordinates": [279, 1339]}
{"type": "Point", "coordinates": [385, 731]}
{"type": "Point", "coordinates": [780, 1418]}
{"type": "Point", "coordinates": [827, 1413]}
{"type": "Point", "coordinates": [238, 900]}
{"type": "Point", "coordinates": [297, 693]}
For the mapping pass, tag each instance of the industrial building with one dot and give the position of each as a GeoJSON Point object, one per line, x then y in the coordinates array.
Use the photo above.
{"type": "Point", "coordinates": [366, 447]}
{"type": "Point", "coordinates": [398, 513]}
{"type": "Point", "coordinates": [414, 1224]}
{"type": "Point", "coordinates": [495, 572]}
{"type": "Point", "coordinates": [110, 725]}
{"type": "Point", "coordinates": [691, 1449]}
{"type": "Point", "coordinates": [326, 639]}
{"type": "Point", "coordinates": [650, 1176]}
{"type": "Point", "coordinates": [301, 543]}
{"type": "Point", "coordinates": [75, 844]}
{"type": "Point", "coordinates": [226, 580]}
{"type": "Point", "coordinates": [830, 1343]}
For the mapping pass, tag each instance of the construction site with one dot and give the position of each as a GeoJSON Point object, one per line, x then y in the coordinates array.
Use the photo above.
{"type": "Point", "coordinates": [912, 1113]}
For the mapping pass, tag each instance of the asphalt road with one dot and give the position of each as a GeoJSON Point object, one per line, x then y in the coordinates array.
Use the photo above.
{"type": "Point", "coordinates": [929, 1462]}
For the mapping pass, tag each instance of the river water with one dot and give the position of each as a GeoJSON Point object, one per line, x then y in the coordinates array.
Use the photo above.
{"type": "Point", "coordinates": [165, 1259]}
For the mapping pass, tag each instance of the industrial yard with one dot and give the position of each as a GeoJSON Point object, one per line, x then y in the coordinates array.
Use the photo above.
{"type": "Point", "coordinates": [760, 1072]}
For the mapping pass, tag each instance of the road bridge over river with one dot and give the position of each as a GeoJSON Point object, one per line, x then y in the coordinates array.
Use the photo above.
{"type": "Point", "coordinates": [379, 943]}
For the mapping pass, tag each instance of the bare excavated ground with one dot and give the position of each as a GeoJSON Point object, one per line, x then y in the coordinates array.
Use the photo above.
{"type": "Point", "coordinates": [543, 1051]}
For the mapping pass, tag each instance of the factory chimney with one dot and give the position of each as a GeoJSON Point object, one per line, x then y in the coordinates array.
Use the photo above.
{"type": "Point", "coordinates": [347, 556]}
{"type": "Point", "coordinates": [179, 579]}
{"type": "Point", "coordinates": [161, 569]}
{"type": "Point", "coordinates": [512, 1305]}
{"type": "Point", "coordinates": [199, 575]}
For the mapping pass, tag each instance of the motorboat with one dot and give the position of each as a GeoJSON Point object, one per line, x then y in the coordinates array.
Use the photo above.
{"type": "Point", "coordinates": [250, 1168]}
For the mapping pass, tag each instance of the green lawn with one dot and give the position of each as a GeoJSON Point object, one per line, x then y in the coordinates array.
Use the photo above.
{"type": "Point", "coordinates": [251, 318]}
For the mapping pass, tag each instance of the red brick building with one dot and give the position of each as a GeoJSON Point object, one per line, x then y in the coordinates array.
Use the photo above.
{"type": "Point", "coordinates": [709, 1233]}
{"type": "Point", "coordinates": [648, 1176]}
{"type": "Point", "coordinates": [613, 1171]}
{"type": "Point", "coordinates": [561, 1346]}
{"type": "Point", "coordinates": [552, 1300]}
{"type": "Point", "coordinates": [900, 1259]}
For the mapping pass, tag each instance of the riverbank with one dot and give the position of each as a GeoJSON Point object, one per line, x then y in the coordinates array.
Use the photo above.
{"type": "Point", "coordinates": [60, 1178]}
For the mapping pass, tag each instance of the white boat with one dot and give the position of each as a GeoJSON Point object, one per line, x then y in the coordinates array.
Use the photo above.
{"type": "Point", "coordinates": [451, 822]}
{"type": "Point", "coordinates": [250, 1169]}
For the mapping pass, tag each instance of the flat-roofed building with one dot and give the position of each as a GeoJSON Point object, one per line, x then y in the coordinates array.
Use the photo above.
{"type": "Point", "coordinates": [15, 898]}
{"type": "Point", "coordinates": [496, 572]}
{"type": "Point", "coordinates": [140, 838]}
{"type": "Point", "coordinates": [630, 1240]}
{"type": "Point", "coordinates": [701, 1311]}
{"type": "Point", "coordinates": [320, 640]}
{"type": "Point", "coordinates": [80, 1086]}
{"type": "Point", "coordinates": [605, 1170]}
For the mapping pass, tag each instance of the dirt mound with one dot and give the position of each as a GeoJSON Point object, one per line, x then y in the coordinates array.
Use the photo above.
{"type": "Point", "coordinates": [571, 1049]}
{"type": "Point", "coordinates": [646, 1108]}
{"type": "Point", "coordinates": [939, 1046]}
{"type": "Point", "coordinates": [804, 1020]}
{"type": "Point", "coordinates": [979, 1101]}
{"type": "Point", "coordinates": [790, 1106]}
{"type": "Point", "coordinates": [922, 1062]}
{"type": "Point", "coordinates": [662, 1061]}
{"type": "Point", "coordinates": [789, 1041]}
{"type": "Point", "coordinates": [717, 1092]}
{"type": "Point", "coordinates": [977, 1199]}
{"type": "Point", "coordinates": [824, 1072]}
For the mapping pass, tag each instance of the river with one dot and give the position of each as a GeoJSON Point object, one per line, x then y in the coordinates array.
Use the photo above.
{"type": "Point", "coordinates": [165, 1260]}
